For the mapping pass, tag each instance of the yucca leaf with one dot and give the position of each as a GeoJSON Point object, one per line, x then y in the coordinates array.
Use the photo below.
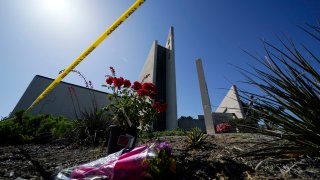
{"type": "Point", "coordinates": [290, 83]}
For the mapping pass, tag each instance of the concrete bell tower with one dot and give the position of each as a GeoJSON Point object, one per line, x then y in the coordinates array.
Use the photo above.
{"type": "Point", "coordinates": [160, 65]}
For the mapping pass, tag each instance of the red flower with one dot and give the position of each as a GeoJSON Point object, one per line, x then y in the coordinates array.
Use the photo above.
{"type": "Point", "coordinates": [160, 107]}
{"type": "Point", "coordinates": [121, 79]}
{"type": "Point", "coordinates": [142, 92]}
{"type": "Point", "coordinates": [136, 85]}
{"type": "Point", "coordinates": [163, 107]}
{"type": "Point", "coordinates": [223, 127]}
{"type": "Point", "coordinates": [149, 87]}
{"type": "Point", "coordinates": [126, 83]}
{"type": "Point", "coordinates": [109, 80]}
{"type": "Point", "coordinates": [152, 95]}
{"type": "Point", "coordinates": [118, 82]}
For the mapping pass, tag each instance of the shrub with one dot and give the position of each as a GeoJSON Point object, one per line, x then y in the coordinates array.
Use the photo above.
{"type": "Point", "coordinates": [93, 129]}
{"type": "Point", "coordinates": [10, 132]}
{"type": "Point", "coordinates": [61, 127]}
{"type": "Point", "coordinates": [25, 128]}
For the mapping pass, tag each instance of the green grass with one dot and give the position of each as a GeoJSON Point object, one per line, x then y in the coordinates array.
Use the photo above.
{"type": "Point", "coordinates": [156, 134]}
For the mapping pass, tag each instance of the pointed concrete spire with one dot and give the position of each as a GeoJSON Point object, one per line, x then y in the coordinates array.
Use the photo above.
{"type": "Point", "coordinates": [231, 103]}
{"type": "Point", "coordinates": [171, 94]}
{"type": "Point", "coordinates": [205, 99]}
{"type": "Point", "coordinates": [170, 39]}
{"type": "Point", "coordinates": [161, 68]}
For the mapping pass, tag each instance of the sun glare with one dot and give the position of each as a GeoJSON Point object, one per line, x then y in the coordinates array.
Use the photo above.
{"type": "Point", "coordinates": [56, 8]}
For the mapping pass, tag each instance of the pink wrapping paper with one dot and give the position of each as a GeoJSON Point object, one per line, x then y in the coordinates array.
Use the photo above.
{"type": "Point", "coordinates": [127, 166]}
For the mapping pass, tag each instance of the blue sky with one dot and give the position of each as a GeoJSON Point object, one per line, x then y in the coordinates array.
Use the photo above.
{"type": "Point", "coordinates": [44, 36]}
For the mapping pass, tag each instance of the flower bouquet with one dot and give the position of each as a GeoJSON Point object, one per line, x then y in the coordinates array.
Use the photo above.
{"type": "Point", "coordinates": [148, 161]}
{"type": "Point", "coordinates": [132, 105]}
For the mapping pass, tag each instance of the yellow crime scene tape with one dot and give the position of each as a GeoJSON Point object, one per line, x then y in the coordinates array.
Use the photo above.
{"type": "Point", "coordinates": [86, 52]}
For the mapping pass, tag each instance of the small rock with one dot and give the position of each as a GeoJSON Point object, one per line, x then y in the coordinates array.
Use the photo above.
{"type": "Point", "coordinates": [19, 178]}
{"type": "Point", "coordinates": [58, 168]}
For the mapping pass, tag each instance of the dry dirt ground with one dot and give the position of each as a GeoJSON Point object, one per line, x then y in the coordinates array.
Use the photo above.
{"type": "Point", "coordinates": [217, 158]}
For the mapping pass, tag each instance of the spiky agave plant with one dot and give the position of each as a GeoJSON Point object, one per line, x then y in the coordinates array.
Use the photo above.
{"type": "Point", "coordinates": [290, 80]}
{"type": "Point", "coordinates": [196, 137]}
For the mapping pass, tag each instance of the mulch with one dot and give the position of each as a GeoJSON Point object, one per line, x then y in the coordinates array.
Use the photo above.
{"type": "Point", "coordinates": [217, 158]}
